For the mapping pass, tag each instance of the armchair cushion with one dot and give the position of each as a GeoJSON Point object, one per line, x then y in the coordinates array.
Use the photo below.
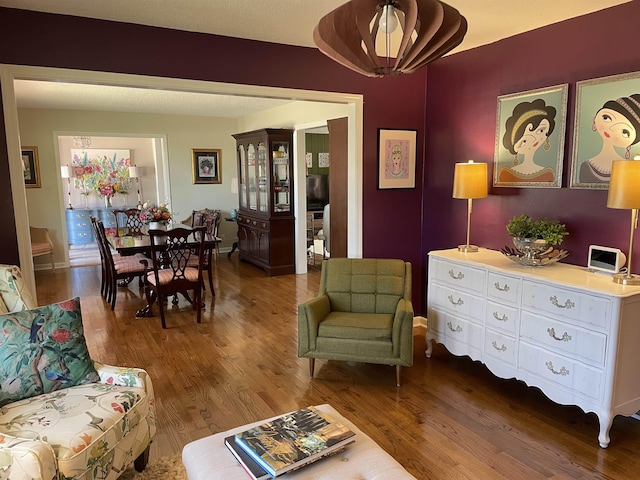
{"type": "Point", "coordinates": [43, 350]}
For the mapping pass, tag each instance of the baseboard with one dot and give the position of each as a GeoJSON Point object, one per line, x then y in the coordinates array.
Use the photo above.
{"type": "Point", "coordinates": [420, 323]}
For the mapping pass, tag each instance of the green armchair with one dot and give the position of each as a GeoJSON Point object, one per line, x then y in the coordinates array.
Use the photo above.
{"type": "Point", "coordinates": [363, 313]}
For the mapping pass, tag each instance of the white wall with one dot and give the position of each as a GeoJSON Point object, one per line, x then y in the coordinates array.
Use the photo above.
{"type": "Point", "coordinates": [46, 204]}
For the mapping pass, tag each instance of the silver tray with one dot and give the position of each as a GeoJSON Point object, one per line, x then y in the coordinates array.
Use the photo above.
{"type": "Point", "coordinates": [550, 256]}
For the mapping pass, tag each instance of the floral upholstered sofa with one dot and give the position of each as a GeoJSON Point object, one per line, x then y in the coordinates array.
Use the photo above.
{"type": "Point", "coordinates": [62, 415]}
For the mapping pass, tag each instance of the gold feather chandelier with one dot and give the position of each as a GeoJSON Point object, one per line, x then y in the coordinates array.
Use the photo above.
{"type": "Point", "coordinates": [363, 35]}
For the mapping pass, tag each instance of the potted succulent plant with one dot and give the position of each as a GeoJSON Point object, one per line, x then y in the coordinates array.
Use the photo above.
{"type": "Point", "coordinates": [533, 237]}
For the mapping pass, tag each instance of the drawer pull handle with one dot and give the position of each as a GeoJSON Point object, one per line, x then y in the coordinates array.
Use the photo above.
{"type": "Point", "coordinates": [503, 318]}
{"type": "Point", "coordinates": [503, 348]}
{"type": "Point", "coordinates": [459, 276]}
{"type": "Point", "coordinates": [458, 328]}
{"type": "Point", "coordinates": [568, 304]}
{"type": "Point", "coordinates": [563, 371]}
{"type": "Point", "coordinates": [564, 338]}
{"type": "Point", "coordinates": [502, 289]}
{"type": "Point", "coordinates": [457, 303]}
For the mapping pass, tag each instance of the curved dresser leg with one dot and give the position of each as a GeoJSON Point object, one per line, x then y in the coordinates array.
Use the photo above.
{"type": "Point", "coordinates": [605, 425]}
{"type": "Point", "coordinates": [429, 341]}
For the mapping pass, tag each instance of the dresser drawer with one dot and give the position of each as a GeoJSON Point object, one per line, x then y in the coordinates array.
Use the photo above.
{"type": "Point", "coordinates": [562, 371]}
{"type": "Point", "coordinates": [460, 336]}
{"type": "Point", "coordinates": [457, 301]}
{"type": "Point", "coordinates": [565, 338]}
{"type": "Point", "coordinates": [501, 347]}
{"type": "Point", "coordinates": [504, 288]}
{"type": "Point", "coordinates": [579, 307]}
{"type": "Point", "coordinates": [501, 317]}
{"type": "Point", "coordinates": [456, 275]}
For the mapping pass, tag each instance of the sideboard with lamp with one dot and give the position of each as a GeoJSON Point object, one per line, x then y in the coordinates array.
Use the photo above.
{"type": "Point", "coordinates": [568, 330]}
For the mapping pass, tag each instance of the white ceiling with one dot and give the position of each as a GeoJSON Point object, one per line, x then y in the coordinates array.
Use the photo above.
{"type": "Point", "coordinates": [280, 21]}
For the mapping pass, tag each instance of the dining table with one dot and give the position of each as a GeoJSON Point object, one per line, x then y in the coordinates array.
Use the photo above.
{"type": "Point", "coordinates": [130, 245]}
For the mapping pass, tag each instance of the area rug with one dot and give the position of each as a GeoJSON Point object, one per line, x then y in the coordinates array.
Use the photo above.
{"type": "Point", "coordinates": [164, 469]}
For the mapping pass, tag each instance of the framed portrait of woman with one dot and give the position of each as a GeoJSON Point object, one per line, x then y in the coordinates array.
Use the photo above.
{"type": "Point", "coordinates": [606, 128]}
{"type": "Point", "coordinates": [530, 132]}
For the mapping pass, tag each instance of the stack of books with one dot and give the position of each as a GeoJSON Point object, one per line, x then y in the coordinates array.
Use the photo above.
{"type": "Point", "coordinates": [288, 442]}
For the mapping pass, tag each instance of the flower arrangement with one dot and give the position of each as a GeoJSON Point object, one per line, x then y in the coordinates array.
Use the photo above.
{"type": "Point", "coordinates": [152, 213]}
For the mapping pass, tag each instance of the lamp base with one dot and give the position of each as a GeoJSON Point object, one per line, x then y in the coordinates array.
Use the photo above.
{"type": "Point", "coordinates": [626, 279]}
{"type": "Point", "coordinates": [467, 248]}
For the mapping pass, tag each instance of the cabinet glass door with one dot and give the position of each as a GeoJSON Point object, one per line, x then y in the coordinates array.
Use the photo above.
{"type": "Point", "coordinates": [262, 178]}
{"type": "Point", "coordinates": [242, 181]}
{"type": "Point", "coordinates": [251, 177]}
{"type": "Point", "coordinates": [281, 177]}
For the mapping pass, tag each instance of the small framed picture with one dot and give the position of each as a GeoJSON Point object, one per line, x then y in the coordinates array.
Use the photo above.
{"type": "Point", "coordinates": [31, 167]}
{"type": "Point", "coordinates": [396, 158]}
{"type": "Point", "coordinates": [206, 165]}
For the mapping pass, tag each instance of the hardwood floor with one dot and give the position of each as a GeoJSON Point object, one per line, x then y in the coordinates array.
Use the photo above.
{"type": "Point", "coordinates": [451, 419]}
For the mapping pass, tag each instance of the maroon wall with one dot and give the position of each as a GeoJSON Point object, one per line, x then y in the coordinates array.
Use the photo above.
{"type": "Point", "coordinates": [391, 219]}
{"type": "Point", "coordinates": [461, 123]}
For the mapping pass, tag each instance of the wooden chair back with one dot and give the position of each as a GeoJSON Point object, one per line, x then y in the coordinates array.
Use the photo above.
{"type": "Point", "coordinates": [128, 222]}
{"type": "Point", "coordinates": [173, 270]}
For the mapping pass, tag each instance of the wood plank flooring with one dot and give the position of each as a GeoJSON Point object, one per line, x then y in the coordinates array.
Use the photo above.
{"type": "Point", "coordinates": [451, 419]}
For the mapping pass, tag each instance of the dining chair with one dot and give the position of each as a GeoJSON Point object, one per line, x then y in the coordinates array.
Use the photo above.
{"type": "Point", "coordinates": [172, 269]}
{"type": "Point", "coordinates": [118, 267]}
{"type": "Point", "coordinates": [210, 219]}
{"type": "Point", "coordinates": [128, 222]}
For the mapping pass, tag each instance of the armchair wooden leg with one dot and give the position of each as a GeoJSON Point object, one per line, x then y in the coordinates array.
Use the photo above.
{"type": "Point", "coordinates": [398, 375]}
{"type": "Point", "coordinates": [312, 364]}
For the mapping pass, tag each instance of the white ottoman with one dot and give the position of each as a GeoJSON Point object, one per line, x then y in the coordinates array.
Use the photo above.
{"type": "Point", "coordinates": [209, 459]}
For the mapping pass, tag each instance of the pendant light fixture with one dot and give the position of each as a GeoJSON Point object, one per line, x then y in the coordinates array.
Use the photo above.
{"type": "Point", "coordinates": [350, 34]}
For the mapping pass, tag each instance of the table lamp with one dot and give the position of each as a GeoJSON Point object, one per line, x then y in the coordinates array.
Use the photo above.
{"type": "Point", "coordinates": [469, 182]}
{"type": "Point", "coordinates": [624, 193]}
{"type": "Point", "coordinates": [134, 173]}
{"type": "Point", "coordinates": [65, 172]}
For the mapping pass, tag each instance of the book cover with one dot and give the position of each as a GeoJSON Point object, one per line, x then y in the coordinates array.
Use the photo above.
{"type": "Point", "coordinates": [254, 470]}
{"type": "Point", "coordinates": [293, 440]}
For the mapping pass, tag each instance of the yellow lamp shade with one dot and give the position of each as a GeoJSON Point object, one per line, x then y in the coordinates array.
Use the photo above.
{"type": "Point", "coordinates": [470, 180]}
{"type": "Point", "coordinates": [624, 185]}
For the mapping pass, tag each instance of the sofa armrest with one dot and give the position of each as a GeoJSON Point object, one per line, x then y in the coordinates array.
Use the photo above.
{"type": "Point", "coordinates": [22, 458]}
{"type": "Point", "coordinates": [402, 334]}
{"type": "Point", "coordinates": [122, 376]}
{"type": "Point", "coordinates": [310, 314]}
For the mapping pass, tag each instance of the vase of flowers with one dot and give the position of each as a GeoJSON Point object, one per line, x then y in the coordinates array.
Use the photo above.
{"type": "Point", "coordinates": [158, 215]}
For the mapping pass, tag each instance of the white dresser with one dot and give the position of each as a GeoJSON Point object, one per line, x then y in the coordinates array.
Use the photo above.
{"type": "Point", "coordinates": [572, 333]}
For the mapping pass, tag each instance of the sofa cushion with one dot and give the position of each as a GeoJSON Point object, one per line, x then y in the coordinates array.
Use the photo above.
{"type": "Point", "coordinates": [356, 326]}
{"type": "Point", "coordinates": [87, 426]}
{"type": "Point", "coordinates": [43, 350]}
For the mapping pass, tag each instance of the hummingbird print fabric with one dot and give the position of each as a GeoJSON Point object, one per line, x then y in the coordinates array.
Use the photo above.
{"type": "Point", "coordinates": [43, 350]}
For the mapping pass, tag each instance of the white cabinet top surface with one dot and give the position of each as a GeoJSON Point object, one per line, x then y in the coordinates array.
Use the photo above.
{"type": "Point", "coordinates": [561, 273]}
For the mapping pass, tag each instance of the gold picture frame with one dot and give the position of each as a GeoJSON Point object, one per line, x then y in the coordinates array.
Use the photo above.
{"type": "Point", "coordinates": [206, 165]}
{"type": "Point", "coordinates": [31, 167]}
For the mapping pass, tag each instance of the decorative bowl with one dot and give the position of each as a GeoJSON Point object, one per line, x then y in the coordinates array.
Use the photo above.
{"type": "Point", "coordinates": [531, 248]}
{"type": "Point", "coordinates": [550, 256]}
